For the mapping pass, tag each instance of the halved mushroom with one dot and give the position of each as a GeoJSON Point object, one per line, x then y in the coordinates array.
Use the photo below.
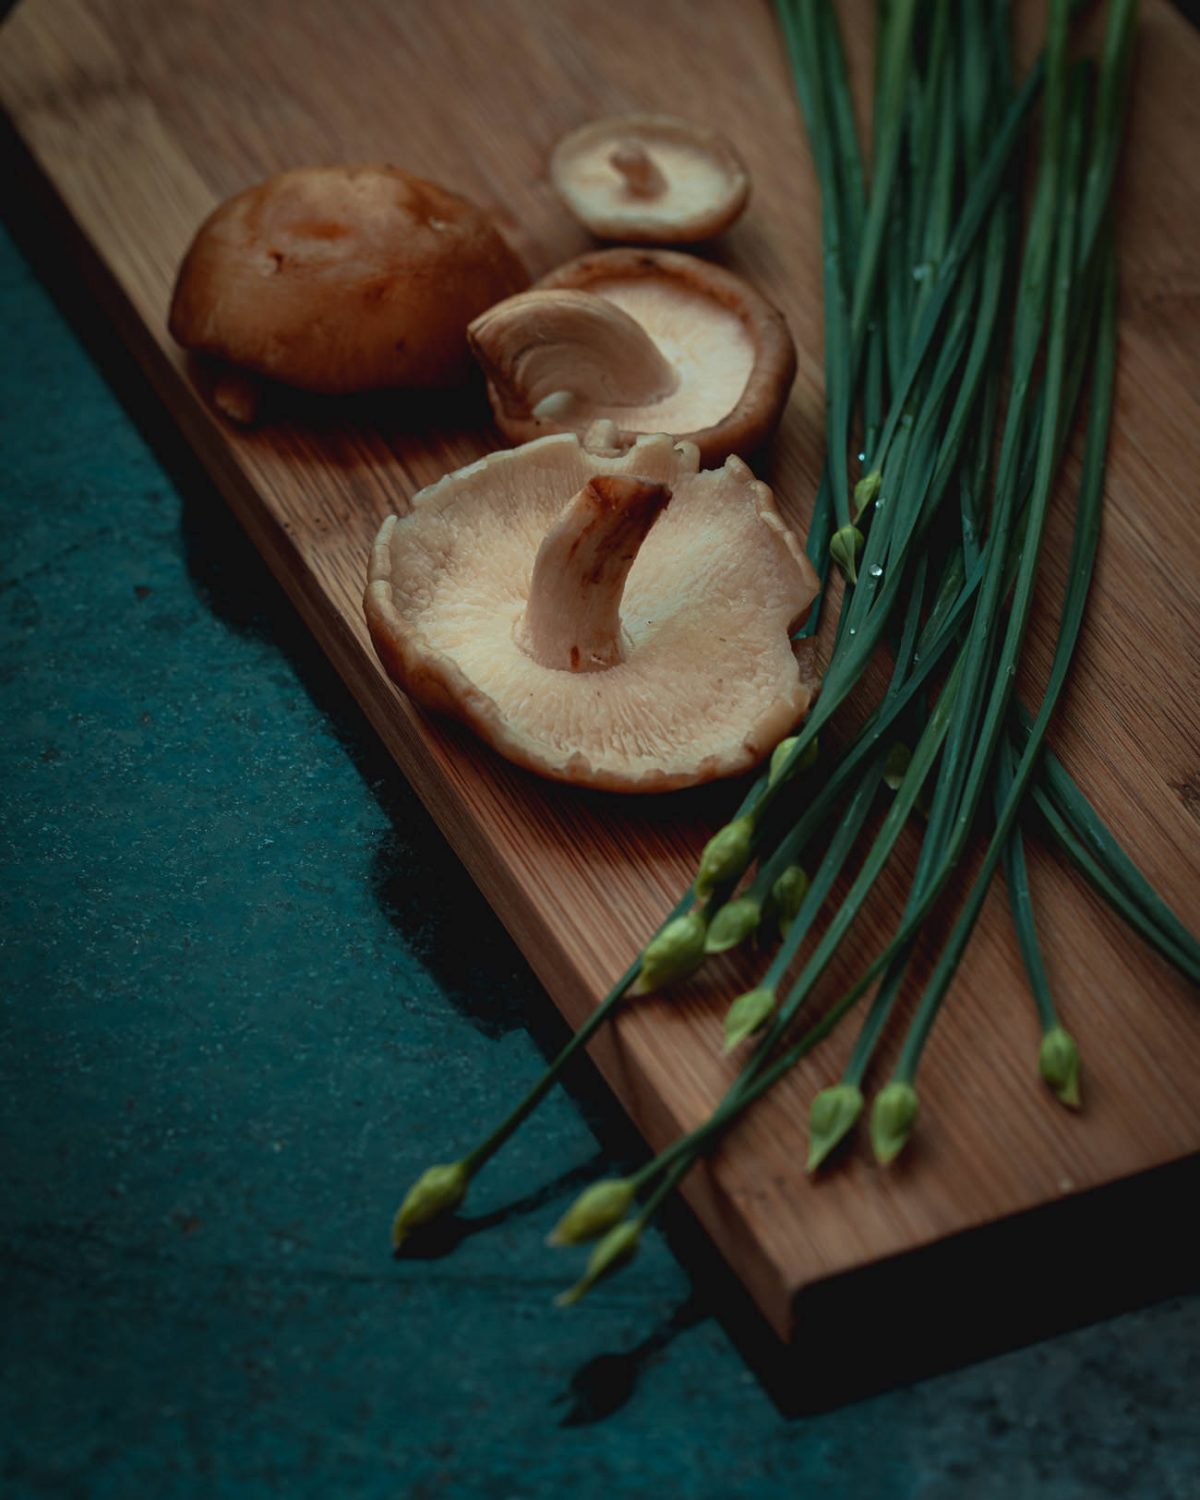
{"type": "Point", "coordinates": [650, 179]}
{"type": "Point", "coordinates": [653, 340]}
{"type": "Point", "coordinates": [339, 279]}
{"type": "Point", "coordinates": [616, 620]}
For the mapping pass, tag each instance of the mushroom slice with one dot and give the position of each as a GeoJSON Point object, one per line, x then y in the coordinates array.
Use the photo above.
{"type": "Point", "coordinates": [652, 340]}
{"type": "Point", "coordinates": [650, 179]}
{"type": "Point", "coordinates": [619, 621]}
{"type": "Point", "coordinates": [339, 279]}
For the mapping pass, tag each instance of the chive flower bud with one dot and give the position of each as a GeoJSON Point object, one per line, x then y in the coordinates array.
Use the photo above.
{"type": "Point", "coordinates": [596, 1210]}
{"type": "Point", "coordinates": [439, 1190]}
{"type": "Point", "coordinates": [748, 1014]}
{"type": "Point", "coordinates": [833, 1115]}
{"type": "Point", "coordinates": [779, 759]}
{"type": "Point", "coordinates": [673, 954]}
{"type": "Point", "coordinates": [896, 765]}
{"type": "Point", "coordinates": [865, 491]}
{"type": "Point", "coordinates": [616, 1249]}
{"type": "Point", "coordinates": [892, 1118]}
{"type": "Point", "coordinates": [1058, 1063]}
{"type": "Point", "coordinates": [733, 924]}
{"type": "Point", "coordinates": [787, 895]}
{"type": "Point", "coordinates": [845, 547]}
{"type": "Point", "coordinates": [725, 855]}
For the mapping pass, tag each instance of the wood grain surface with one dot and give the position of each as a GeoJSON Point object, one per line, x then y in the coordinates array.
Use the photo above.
{"type": "Point", "coordinates": [142, 116]}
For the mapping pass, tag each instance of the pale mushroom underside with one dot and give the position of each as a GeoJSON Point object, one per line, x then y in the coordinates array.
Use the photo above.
{"type": "Point", "coordinates": [710, 681]}
{"type": "Point", "coordinates": [707, 345]}
{"type": "Point", "coordinates": [692, 183]}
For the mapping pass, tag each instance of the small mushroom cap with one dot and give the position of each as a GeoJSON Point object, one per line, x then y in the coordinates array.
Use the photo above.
{"type": "Point", "coordinates": [650, 179]}
{"type": "Point", "coordinates": [729, 349]}
{"type": "Point", "coordinates": [619, 621]}
{"type": "Point", "coordinates": [339, 279]}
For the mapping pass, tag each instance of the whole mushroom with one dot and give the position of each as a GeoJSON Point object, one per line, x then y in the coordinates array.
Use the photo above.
{"type": "Point", "coordinates": [650, 179]}
{"type": "Point", "coordinates": [619, 620]}
{"type": "Point", "coordinates": [653, 340]}
{"type": "Point", "coordinates": [340, 279]}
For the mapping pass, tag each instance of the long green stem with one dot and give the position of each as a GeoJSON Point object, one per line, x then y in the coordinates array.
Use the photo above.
{"type": "Point", "coordinates": [1077, 825]}
{"type": "Point", "coordinates": [1083, 554]}
{"type": "Point", "coordinates": [1020, 896]}
{"type": "Point", "coordinates": [1143, 918]}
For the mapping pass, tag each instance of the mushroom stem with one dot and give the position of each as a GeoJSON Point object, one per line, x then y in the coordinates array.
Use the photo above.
{"type": "Point", "coordinates": [540, 344]}
{"type": "Point", "coordinates": [238, 394]}
{"type": "Point", "coordinates": [636, 166]}
{"type": "Point", "coordinates": [572, 622]}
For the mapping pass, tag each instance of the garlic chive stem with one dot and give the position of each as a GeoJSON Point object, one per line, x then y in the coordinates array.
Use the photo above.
{"type": "Point", "coordinates": [1079, 572]}
{"type": "Point", "coordinates": [980, 193]}
{"type": "Point", "coordinates": [761, 1073]}
{"type": "Point", "coordinates": [1065, 194]}
{"type": "Point", "coordinates": [680, 1156]}
{"type": "Point", "coordinates": [893, 978]}
{"type": "Point", "coordinates": [1110, 106]}
{"type": "Point", "coordinates": [840, 845]}
{"type": "Point", "coordinates": [1087, 840]}
{"type": "Point", "coordinates": [820, 528]}
{"type": "Point", "coordinates": [935, 637]}
{"type": "Point", "coordinates": [877, 1017]}
{"type": "Point", "coordinates": [488, 1147]}
{"type": "Point", "coordinates": [670, 1182]}
{"type": "Point", "coordinates": [895, 71]}
{"type": "Point", "coordinates": [924, 755]}
{"type": "Point", "coordinates": [847, 153]}
{"type": "Point", "coordinates": [799, 29]}
{"type": "Point", "coordinates": [1020, 897]}
{"type": "Point", "coordinates": [960, 783]}
{"type": "Point", "coordinates": [939, 145]}
{"type": "Point", "coordinates": [974, 101]}
{"type": "Point", "coordinates": [853, 653]}
{"type": "Point", "coordinates": [809, 975]}
{"type": "Point", "coordinates": [492, 1143]}
{"type": "Point", "coordinates": [744, 1090]}
{"type": "Point", "coordinates": [924, 116]}
{"type": "Point", "coordinates": [1185, 956]}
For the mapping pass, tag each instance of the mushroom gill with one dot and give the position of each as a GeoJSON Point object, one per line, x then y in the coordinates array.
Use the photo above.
{"type": "Point", "coordinates": [620, 620]}
{"type": "Point", "coordinates": [569, 348]}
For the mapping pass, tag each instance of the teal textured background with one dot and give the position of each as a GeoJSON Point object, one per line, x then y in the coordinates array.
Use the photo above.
{"type": "Point", "coordinates": [248, 993]}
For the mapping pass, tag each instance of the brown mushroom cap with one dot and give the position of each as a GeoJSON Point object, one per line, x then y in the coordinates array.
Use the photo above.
{"type": "Point", "coordinates": [650, 179]}
{"type": "Point", "coordinates": [616, 620]}
{"type": "Point", "coordinates": [730, 352]}
{"type": "Point", "coordinates": [339, 279]}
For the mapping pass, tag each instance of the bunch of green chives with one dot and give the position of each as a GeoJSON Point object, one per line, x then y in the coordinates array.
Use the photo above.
{"type": "Point", "coordinates": [938, 537]}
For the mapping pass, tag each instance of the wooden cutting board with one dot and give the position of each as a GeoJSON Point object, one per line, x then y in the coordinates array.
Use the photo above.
{"type": "Point", "coordinates": [142, 116]}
